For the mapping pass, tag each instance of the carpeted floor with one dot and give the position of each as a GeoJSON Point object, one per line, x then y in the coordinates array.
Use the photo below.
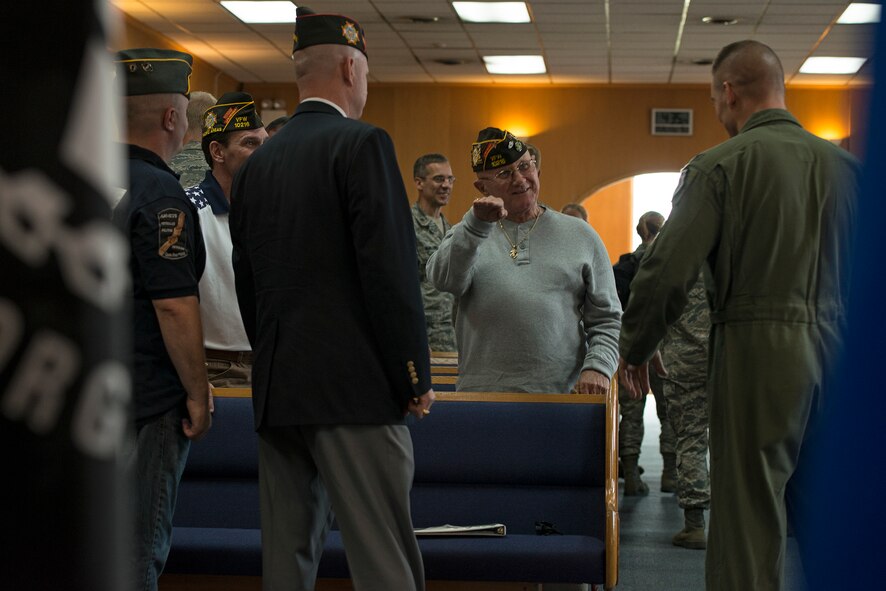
{"type": "Point", "coordinates": [648, 560]}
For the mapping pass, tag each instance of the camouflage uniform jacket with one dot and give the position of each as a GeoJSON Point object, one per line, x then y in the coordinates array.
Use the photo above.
{"type": "Point", "coordinates": [190, 164]}
{"type": "Point", "coordinates": [684, 349]}
{"type": "Point", "coordinates": [438, 304]}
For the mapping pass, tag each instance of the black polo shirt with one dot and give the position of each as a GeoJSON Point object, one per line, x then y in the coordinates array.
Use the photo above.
{"type": "Point", "coordinates": [167, 259]}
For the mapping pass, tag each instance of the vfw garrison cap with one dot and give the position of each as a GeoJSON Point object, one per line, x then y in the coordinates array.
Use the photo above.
{"type": "Point", "coordinates": [326, 29]}
{"type": "Point", "coordinates": [495, 147]}
{"type": "Point", "coordinates": [234, 111]}
{"type": "Point", "coordinates": [155, 71]}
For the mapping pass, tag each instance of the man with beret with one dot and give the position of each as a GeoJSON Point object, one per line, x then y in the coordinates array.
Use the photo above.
{"type": "Point", "coordinates": [538, 311]}
{"type": "Point", "coordinates": [324, 261]}
{"type": "Point", "coordinates": [172, 398]}
{"type": "Point", "coordinates": [232, 130]}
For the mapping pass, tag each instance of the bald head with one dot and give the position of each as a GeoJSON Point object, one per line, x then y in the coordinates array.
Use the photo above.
{"type": "Point", "coordinates": [197, 105]}
{"type": "Point", "coordinates": [334, 72]}
{"type": "Point", "coordinates": [144, 113]}
{"type": "Point", "coordinates": [157, 122]}
{"type": "Point", "coordinates": [747, 78]}
{"type": "Point", "coordinates": [317, 61]}
{"type": "Point", "coordinates": [649, 224]}
{"type": "Point", "coordinates": [752, 68]}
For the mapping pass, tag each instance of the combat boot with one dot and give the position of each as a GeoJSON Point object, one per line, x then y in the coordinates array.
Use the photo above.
{"type": "Point", "coordinates": [634, 486]}
{"type": "Point", "coordinates": [669, 473]}
{"type": "Point", "coordinates": [621, 472]}
{"type": "Point", "coordinates": [692, 535]}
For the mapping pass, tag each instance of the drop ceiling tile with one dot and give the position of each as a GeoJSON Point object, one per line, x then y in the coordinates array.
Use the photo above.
{"type": "Point", "coordinates": [582, 29]}
{"type": "Point", "coordinates": [441, 39]}
{"type": "Point", "coordinates": [506, 44]}
{"type": "Point", "coordinates": [570, 33]}
{"type": "Point", "coordinates": [859, 42]}
{"type": "Point", "coordinates": [427, 28]}
{"type": "Point", "coordinates": [441, 71]}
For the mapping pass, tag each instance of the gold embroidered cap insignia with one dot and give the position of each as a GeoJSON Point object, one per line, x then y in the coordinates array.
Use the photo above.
{"type": "Point", "coordinates": [349, 32]}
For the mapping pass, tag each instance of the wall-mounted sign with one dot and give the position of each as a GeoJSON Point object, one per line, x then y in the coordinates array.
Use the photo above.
{"type": "Point", "coordinates": [671, 121]}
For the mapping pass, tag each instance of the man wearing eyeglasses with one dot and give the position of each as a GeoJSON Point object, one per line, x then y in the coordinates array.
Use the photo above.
{"type": "Point", "coordinates": [537, 306]}
{"type": "Point", "coordinates": [434, 181]}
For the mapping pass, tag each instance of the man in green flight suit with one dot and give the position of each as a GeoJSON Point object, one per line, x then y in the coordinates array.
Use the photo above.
{"type": "Point", "coordinates": [769, 213]}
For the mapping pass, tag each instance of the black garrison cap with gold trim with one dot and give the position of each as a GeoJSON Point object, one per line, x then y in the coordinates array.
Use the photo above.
{"type": "Point", "coordinates": [326, 29]}
{"type": "Point", "coordinates": [155, 71]}
{"type": "Point", "coordinates": [495, 147]}
{"type": "Point", "coordinates": [234, 111]}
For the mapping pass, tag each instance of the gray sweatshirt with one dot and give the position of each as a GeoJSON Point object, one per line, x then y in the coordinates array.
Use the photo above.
{"type": "Point", "coordinates": [533, 323]}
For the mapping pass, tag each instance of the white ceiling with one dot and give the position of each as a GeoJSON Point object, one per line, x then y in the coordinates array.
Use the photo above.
{"type": "Point", "coordinates": [582, 41]}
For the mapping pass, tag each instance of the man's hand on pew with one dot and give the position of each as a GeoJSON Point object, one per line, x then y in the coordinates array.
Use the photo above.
{"type": "Point", "coordinates": [591, 382]}
{"type": "Point", "coordinates": [420, 406]}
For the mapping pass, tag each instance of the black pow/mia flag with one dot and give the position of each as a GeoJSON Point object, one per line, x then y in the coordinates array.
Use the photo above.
{"type": "Point", "coordinates": [64, 372]}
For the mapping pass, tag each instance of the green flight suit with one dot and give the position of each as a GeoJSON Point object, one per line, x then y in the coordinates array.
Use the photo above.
{"type": "Point", "coordinates": [769, 213]}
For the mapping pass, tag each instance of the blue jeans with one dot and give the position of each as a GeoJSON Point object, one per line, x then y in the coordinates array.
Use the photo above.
{"type": "Point", "coordinates": [154, 462]}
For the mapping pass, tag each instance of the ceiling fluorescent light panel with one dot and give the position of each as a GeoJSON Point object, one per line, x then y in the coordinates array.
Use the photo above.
{"type": "Point", "coordinates": [492, 12]}
{"type": "Point", "coordinates": [832, 65]}
{"type": "Point", "coordinates": [859, 13]}
{"type": "Point", "coordinates": [515, 64]}
{"type": "Point", "coordinates": [262, 12]}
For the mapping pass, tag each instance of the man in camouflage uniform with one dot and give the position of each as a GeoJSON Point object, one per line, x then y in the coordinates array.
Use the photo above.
{"type": "Point", "coordinates": [190, 163]}
{"type": "Point", "coordinates": [684, 352]}
{"type": "Point", "coordinates": [770, 215]}
{"type": "Point", "coordinates": [434, 180]}
{"type": "Point", "coordinates": [631, 428]}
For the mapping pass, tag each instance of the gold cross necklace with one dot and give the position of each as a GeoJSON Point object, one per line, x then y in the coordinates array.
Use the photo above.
{"type": "Point", "coordinates": [516, 245]}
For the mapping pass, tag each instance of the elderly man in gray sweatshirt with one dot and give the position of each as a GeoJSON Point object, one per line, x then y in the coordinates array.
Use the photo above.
{"type": "Point", "coordinates": [538, 310]}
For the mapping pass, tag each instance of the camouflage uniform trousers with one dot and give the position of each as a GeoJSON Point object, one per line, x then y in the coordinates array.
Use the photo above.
{"type": "Point", "coordinates": [687, 409]}
{"type": "Point", "coordinates": [631, 429]}
{"type": "Point", "coordinates": [439, 306]}
{"type": "Point", "coordinates": [441, 333]}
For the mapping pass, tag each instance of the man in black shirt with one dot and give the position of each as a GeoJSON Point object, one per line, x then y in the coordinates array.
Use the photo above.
{"type": "Point", "coordinates": [172, 399]}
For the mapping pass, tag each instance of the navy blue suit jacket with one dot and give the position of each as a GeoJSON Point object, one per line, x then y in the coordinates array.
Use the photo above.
{"type": "Point", "coordinates": [326, 275]}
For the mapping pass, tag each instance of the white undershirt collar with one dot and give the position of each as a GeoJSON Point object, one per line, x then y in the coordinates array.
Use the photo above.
{"type": "Point", "coordinates": [328, 102]}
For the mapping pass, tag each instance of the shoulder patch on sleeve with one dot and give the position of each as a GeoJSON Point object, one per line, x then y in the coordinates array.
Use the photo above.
{"type": "Point", "coordinates": [173, 241]}
{"type": "Point", "coordinates": [678, 192]}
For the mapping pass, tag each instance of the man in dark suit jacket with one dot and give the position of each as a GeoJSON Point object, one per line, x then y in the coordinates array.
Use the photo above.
{"type": "Point", "coordinates": [324, 258]}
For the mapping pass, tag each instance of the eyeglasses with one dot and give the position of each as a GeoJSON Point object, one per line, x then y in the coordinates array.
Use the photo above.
{"type": "Point", "coordinates": [507, 174]}
{"type": "Point", "coordinates": [440, 179]}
